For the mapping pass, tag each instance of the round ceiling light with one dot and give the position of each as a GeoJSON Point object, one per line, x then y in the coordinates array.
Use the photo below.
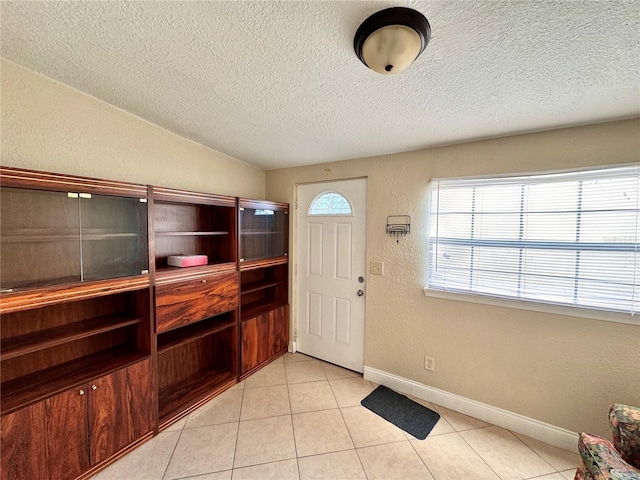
{"type": "Point", "coordinates": [390, 40]}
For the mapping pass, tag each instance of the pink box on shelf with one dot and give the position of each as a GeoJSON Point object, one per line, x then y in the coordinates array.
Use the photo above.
{"type": "Point", "coordinates": [186, 260]}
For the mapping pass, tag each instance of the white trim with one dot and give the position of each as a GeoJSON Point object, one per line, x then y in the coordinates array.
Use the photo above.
{"type": "Point", "coordinates": [293, 347]}
{"type": "Point", "coordinates": [535, 306]}
{"type": "Point", "coordinates": [530, 427]}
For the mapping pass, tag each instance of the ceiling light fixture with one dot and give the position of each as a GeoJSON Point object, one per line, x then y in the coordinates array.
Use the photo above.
{"type": "Point", "coordinates": [390, 40]}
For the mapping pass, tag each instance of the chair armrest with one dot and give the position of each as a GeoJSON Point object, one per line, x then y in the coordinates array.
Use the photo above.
{"type": "Point", "coordinates": [625, 425]}
{"type": "Point", "coordinates": [602, 461]}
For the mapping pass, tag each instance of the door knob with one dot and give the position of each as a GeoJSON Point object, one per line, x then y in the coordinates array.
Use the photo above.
{"type": "Point", "coordinates": [360, 293]}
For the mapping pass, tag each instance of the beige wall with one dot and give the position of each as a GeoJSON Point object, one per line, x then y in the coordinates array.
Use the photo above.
{"type": "Point", "coordinates": [558, 369]}
{"type": "Point", "coordinates": [51, 127]}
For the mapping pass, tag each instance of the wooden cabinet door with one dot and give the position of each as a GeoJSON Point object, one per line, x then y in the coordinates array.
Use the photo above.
{"type": "Point", "coordinates": [255, 342]}
{"type": "Point", "coordinates": [278, 330]}
{"type": "Point", "coordinates": [23, 444]}
{"type": "Point", "coordinates": [141, 400]}
{"type": "Point", "coordinates": [120, 407]}
{"type": "Point", "coordinates": [67, 434]}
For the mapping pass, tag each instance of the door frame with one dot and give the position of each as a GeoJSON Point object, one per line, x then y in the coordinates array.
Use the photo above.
{"type": "Point", "coordinates": [293, 248]}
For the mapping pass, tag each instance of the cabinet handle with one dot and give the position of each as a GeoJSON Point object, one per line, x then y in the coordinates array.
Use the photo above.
{"type": "Point", "coordinates": [81, 392]}
{"type": "Point", "coordinates": [94, 387]}
{"type": "Point", "coordinates": [204, 281]}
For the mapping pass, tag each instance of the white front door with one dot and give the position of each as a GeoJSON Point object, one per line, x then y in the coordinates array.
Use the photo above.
{"type": "Point", "coordinates": [331, 243]}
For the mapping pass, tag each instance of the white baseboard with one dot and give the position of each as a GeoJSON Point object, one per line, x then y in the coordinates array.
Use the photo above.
{"type": "Point", "coordinates": [530, 427]}
{"type": "Point", "coordinates": [293, 346]}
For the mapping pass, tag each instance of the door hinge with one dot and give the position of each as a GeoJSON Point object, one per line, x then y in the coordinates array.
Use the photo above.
{"type": "Point", "coordinates": [296, 204]}
{"type": "Point", "coordinates": [295, 334]}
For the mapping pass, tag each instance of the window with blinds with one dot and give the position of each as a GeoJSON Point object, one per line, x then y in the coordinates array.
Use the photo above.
{"type": "Point", "coordinates": [558, 238]}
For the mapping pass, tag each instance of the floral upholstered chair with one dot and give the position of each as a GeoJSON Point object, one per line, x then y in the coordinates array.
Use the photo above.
{"type": "Point", "coordinates": [602, 460]}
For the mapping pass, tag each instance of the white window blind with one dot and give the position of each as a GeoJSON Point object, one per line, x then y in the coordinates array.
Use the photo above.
{"type": "Point", "coordinates": [560, 238]}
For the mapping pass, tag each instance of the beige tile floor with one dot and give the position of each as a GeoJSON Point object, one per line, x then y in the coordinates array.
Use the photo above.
{"type": "Point", "coordinates": [300, 418]}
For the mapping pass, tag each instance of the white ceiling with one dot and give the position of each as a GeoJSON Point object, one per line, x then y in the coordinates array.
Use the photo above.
{"type": "Point", "coordinates": [277, 84]}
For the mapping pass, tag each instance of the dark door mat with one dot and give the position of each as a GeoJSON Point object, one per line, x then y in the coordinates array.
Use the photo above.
{"type": "Point", "coordinates": [403, 412]}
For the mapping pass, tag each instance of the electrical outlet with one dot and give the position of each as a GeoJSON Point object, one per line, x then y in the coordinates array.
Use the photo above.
{"type": "Point", "coordinates": [429, 364]}
{"type": "Point", "coordinates": [376, 268]}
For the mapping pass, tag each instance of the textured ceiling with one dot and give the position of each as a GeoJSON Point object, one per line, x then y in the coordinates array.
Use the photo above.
{"type": "Point", "coordinates": [278, 84]}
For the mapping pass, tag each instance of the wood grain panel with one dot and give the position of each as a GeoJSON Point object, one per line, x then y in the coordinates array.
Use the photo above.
{"type": "Point", "coordinates": [172, 195]}
{"type": "Point", "coordinates": [169, 275]}
{"type": "Point", "coordinates": [108, 415]}
{"type": "Point", "coordinates": [23, 440]}
{"type": "Point", "coordinates": [18, 177]}
{"type": "Point", "coordinates": [278, 330]}
{"type": "Point", "coordinates": [187, 302]}
{"type": "Point", "coordinates": [141, 400]}
{"type": "Point", "coordinates": [67, 434]}
{"type": "Point", "coordinates": [255, 342]}
{"type": "Point", "coordinates": [178, 364]}
{"type": "Point", "coordinates": [262, 204]}
{"type": "Point", "coordinates": [121, 410]}
{"type": "Point", "coordinates": [17, 301]}
{"type": "Point", "coordinates": [263, 262]}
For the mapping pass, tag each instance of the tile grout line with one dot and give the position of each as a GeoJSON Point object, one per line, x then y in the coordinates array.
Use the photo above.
{"type": "Point", "coordinates": [235, 448]}
{"type": "Point", "coordinates": [420, 457]}
{"type": "Point", "coordinates": [347, 427]}
{"type": "Point", "coordinates": [293, 428]}
{"type": "Point", "coordinates": [475, 451]}
{"type": "Point", "coordinates": [164, 474]}
{"type": "Point", "coordinates": [534, 451]}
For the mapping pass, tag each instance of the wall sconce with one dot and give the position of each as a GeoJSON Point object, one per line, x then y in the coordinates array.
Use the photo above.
{"type": "Point", "coordinates": [398, 226]}
{"type": "Point", "coordinates": [390, 40]}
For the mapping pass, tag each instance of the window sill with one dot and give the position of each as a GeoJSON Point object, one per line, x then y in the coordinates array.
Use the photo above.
{"type": "Point", "coordinates": [535, 307]}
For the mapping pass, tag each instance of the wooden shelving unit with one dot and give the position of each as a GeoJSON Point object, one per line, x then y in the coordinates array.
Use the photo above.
{"type": "Point", "coordinates": [264, 282]}
{"type": "Point", "coordinates": [75, 307]}
{"type": "Point", "coordinates": [102, 343]}
{"type": "Point", "coordinates": [196, 307]}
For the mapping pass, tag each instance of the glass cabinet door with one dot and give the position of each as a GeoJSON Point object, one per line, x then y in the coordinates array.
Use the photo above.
{"type": "Point", "coordinates": [113, 233]}
{"type": "Point", "coordinates": [262, 233]}
{"type": "Point", "coordinates": [52, 238]}
{"type": "Point", "coordinates": [40, 238]}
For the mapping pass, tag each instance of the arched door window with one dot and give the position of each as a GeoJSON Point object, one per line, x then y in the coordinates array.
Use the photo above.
{"type": "Point", "coordinates": [330, 203]}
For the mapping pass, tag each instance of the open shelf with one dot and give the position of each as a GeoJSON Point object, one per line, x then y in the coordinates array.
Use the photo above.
{"type": "Point", "coordinates": [194, 361]}
{"type": "Point", "coordinates": [262, 289]}
{"type": "Point", "coordinates": [195, 331]}
{"type": "Point", "coordinates": [174, 398]}
{"type": "Point", "coordinates": [251, 287]}
{"type": "Point", "coordinates": [49, 337]}
{"type": "Point", "coordinates": [44, 383]}
{"type": "Point", "coordinates": [256, 308]}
